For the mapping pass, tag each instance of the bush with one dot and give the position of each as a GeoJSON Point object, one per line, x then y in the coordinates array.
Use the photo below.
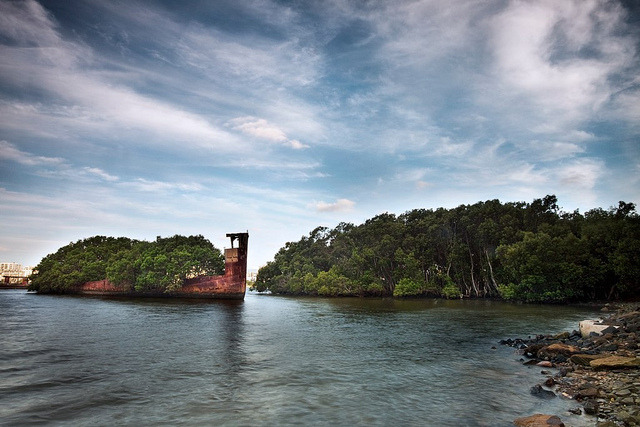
{"type": "Point", "coordinates": [407, 287]}
{"type": "Point", "coordinates": [162, 265]}
{"type": "Point", "coordinates": [508, 292]}
{"type": "Point", "coordinates": [451, 290]}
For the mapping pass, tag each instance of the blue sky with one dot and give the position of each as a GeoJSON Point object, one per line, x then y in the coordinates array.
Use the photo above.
{"type": "Point", "coordinates": [146, 118]}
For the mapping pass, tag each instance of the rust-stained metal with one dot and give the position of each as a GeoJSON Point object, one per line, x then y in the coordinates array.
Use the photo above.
{"type": "Point", "coordinates": [231, 285]}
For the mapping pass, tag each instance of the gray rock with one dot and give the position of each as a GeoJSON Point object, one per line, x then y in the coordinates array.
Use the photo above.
{"type": "Point", "coordinates": [610, 330]}
{"type": "Point", "coordinates": [588, 392]}
{"type": "Point", "coordinates": [608, 347]}
{"type": "Point", "coordinates": [590, 407]}
{"type": "Point", "coordinates": [540, 392]}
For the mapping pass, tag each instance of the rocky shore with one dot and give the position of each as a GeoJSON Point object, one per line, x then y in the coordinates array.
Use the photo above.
{"type": "Point", "coordinates": [599, 370]}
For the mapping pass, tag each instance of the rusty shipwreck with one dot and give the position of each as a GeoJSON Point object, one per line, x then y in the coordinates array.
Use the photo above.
{"type": "Point", "coordinates": [231, 285]}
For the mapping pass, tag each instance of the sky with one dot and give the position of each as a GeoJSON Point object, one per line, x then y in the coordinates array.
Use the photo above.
{"type": "Point", "coordinates": [155, 118]}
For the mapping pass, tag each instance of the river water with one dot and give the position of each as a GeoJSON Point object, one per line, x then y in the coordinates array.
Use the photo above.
{"type": "Point", "coordinates": [271, 361]}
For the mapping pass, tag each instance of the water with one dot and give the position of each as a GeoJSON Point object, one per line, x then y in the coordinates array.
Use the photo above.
{"type": "Point", "coordinates": [270, 361]}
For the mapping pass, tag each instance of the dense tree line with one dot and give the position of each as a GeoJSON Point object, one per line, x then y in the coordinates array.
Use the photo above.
{"type": "Point", "coordinates": [520, 251]}
{"type": "Point", "coordinates": [162, 265]}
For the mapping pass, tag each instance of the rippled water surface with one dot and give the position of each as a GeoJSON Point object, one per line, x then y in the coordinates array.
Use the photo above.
{"type": "Point", "coordinates": [270, 361]}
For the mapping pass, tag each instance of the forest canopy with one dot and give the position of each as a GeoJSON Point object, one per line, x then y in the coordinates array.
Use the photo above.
{"type": "Point", "coordinates": [530, 252]}
{"type": "Point", "coordinates": [161, 265]}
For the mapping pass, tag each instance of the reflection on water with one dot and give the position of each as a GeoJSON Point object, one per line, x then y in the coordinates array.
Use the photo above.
{"type": "Point", "coordinates": [270, 361]}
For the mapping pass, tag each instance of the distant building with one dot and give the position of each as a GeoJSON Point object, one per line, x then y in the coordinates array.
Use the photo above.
{"type": "Point", "coordinates": [10, 267]}
{"type": "Point", "coordinates": [14, 273]}
{"type": "Point", "coordinates": [252, 275]}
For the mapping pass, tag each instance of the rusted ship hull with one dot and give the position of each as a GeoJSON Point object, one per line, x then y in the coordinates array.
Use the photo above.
{"type": "Point", "coordinates": [231, 285]}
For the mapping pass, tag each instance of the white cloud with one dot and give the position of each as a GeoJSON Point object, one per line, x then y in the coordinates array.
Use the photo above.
{"type": "Point", "coordinates": [26, 20]}
{"type": "Point", "coordinates": [579, 136]}
{"type": "Point", "coordinates": [9, 151]}
{"type": "Point", "coordinates": [411, 174]}
{"type": "Point", "coordinates": [340, 205]}
{"type": "Point", "coordinates": [522, 173]}
{"type": "Point", "coordinates": [296, 145]}
{"type": "Point", "coordinates": [420, 33]}
{"type": "Point", "coordinates": [261, 128]}
{"type": "Point", "coordinates": [551, 150]}
{"type": "Point", "coordinates": [101, 174]}
{"type": "Point", "coordinates": [446, 147]}
{"type": "Point", "coordinates": [145, 185]}
{"type": "Point", "coordinates": [627, 104]}
{"type": "Point", "coordinates": [55, 66]}
{"type": "Point", "coordinates": [284, 63]}
{"type": "Point", "coordinates": [47, 212]}
{"type": "Point", "coordinates": [581, 174]}
{"type": "Point", "coordinates": [420, 185]}
{"type": "Point", "coordinates": [63, 170]}
{"type": "Point", "coordinates": [521, 70]}
{"type": "Point", "coordinates": [577, 182]}
{"type": "Point", "coordinates": [539, 48]}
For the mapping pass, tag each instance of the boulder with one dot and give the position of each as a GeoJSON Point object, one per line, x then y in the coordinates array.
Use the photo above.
{"type": "Point", "coordinates": [533, 349]}
{"type": "Point", "coordinates": [608, 347]}
{"type": "Point", "coordinates": [591, 407]}
{"type": "Point", "coordinates": [588, 327]}
{"type": "Point", "coordinates": [622, 392]}
{"type": "Point", "coordinates": [557, 349]}
{"type": "Point", "coordinates": [539, 420]}
{"type": "Point", "coordinates": [538, 391]}
{"type": "Point", "coordinates": [585, 359]}
{"type": "Point", "coordinates": [631, 315]}
{"type": "Point", "coordinates": [562, 336]}
{"type": "Point", "coordinates": [588, 392]}
{"type": "Point", "coordinates": [615, 362]}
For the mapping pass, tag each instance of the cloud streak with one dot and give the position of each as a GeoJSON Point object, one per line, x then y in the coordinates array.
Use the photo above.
{"type": "Point", "coordinates": [340, 205]}
{"type": "Point", "coordinates": [560, 56]}
{"type": "Point", "coordinates": [10, 152]}
{"type": "Point", "coordinates": [152, 118]}
{"type": "Point", "coordinates": [262, 129]}
{"type": "Point", "coordinates": [41, 60]}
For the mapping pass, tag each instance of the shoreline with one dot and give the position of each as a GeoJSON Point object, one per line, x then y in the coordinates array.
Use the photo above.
{"type": "Point", "coordinates": [600, 371]}
{"type": "Point", "coordinates": [14, 287]}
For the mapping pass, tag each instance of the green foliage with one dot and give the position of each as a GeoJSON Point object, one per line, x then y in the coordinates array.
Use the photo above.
{"type": "Point", "coordinates": [450, 290]}
{"type": "Point", "coordinates": [162, 265]}
{"type": "Point", "coordinates": [508, 291]}
{"type": "Point", "coordinates": [409, 288]}
{"type": "Point", "coordinates": [545, 268]}
{"type": "Point", "coordinates": [519, 251]}
{"type": "Point", "coordinates": [76, 263]}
